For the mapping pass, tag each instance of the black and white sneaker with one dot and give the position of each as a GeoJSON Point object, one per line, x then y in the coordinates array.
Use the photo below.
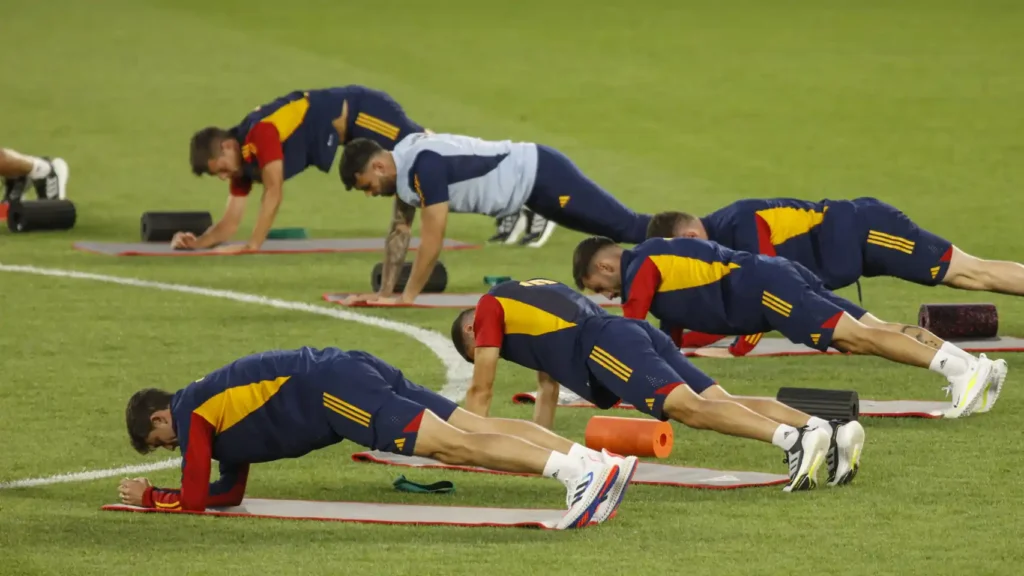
{"type": "Point", "coordinates": [509, 228]}
{"type": "Point", "coordinates": [55, 185]}
{"type": "Point", "coordinates": [14, 188]}
{"type": "Point", "coordinates": [538, 230]}
{"type": "Point", "coordinates": [844, 452]}
{"type": "Point", "coordinates": [804, 459]}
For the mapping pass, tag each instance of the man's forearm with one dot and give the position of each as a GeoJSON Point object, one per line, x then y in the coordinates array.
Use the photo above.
{"type": "Point", "coordinates": [395, 248]}
{"type": "Point", "coordinates": [215, 235]}
{"type": "Point", "coordinates": [478, 400]}
{"type": "Point", "coordinates": [268, 212]}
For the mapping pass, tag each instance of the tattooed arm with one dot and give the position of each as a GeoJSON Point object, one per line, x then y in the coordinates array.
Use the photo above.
{"type": "Point", "coordinates": [396, 245]}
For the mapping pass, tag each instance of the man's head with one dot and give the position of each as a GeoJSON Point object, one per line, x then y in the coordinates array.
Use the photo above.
{"type": "Point", "coordinates": [595, 266]}
{"type": "Point", "coordinates": [368, 167]}
{"type": "Point", "coordinates": [676, 225]}
{"type": "Point", "coordinates": [148, 416]}
{"type": "Point", "coordinates": [462, 334]}
{"type": "Point", "coordinates": [215, 151]}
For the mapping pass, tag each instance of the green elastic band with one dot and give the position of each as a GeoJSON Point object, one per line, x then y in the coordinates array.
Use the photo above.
{"type": "Point", "coordinates": [442, 487]}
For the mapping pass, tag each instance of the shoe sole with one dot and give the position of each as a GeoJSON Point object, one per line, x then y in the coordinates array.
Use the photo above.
{"type": "Point", "coordinates": [517, 230]}
{"type": "Point", "coordinates": [549, 229]}
{"type": "Point", "coordinates": [583, 519]}
{"type": "Point", "coordinates": [999, 371]}
{"type": "Point", "coordinates": [809, 479]}
{"type": "Point", "coordinates": [616, 498]}
{"type": "Point", "coordinates": [60, 167]}
{"type": "Point", "coordinates": [849, 457]}
{"type": "Point", "coordinates": [972, 403]}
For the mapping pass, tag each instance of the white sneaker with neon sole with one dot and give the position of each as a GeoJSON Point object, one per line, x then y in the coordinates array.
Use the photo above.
{"type": "Point", "coordinates": [968, 388]}
{"type": "Point", "coordinates": [844, 452]}
{"type": "Point", "coordinates": [991, 394]}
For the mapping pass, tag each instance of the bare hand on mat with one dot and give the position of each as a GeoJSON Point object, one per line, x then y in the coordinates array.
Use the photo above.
{"type": "Point", "coordinates": [234, 249]}
{"type": "Point", "coordinates": [183, 240]}
{"type": "Point", "coordinates": [132, 491]}
{"type": "Point", "coordinates": [376, 299]}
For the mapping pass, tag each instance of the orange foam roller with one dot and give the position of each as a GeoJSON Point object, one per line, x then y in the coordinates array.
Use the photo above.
{"type": "Point", "coordinates": [630, 436]}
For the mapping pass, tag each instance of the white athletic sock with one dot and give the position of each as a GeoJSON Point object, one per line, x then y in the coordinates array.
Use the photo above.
{"type": "Point", "coordinates": [561, 467]}
{"type": "Point", "coordinates": [579, 451]}
{"type": "Point", "coordinates": [957, 352]}
{"type": "Point", "coordinates": [40, 168]}
{"type": "Point", "coordinates": [821, 423]}
{"type": "Point", "coordinates": [785, 436]}
{"type": "Point", "coordinates": [948, 365]}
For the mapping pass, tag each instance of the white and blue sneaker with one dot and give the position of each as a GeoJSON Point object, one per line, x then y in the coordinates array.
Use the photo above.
{"type": "Point", "coordinates": [805, 457]}
{"type": "Point", "coordinates": [991, 394]}
{"type": "Point", "coordinates": [587, 492]}
{"type": "Point", "coordinates": [627, 468]}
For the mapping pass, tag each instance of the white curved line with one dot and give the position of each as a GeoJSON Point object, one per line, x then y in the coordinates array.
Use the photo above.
{"type": "Point", "coordinates": [458, 371]}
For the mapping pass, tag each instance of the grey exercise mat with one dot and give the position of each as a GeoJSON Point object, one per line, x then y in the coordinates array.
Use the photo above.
{"type": "Point", "coordinates": [310, 246]}
{"type": "Point", "coordinates": [449, 300]}
{"type": "Point", "coordinates": [783, 347]}
{"type": "Point", "coordinates": [371, 513]}
{"type": "Point", "coordinates": [871, 408]}
{"type": "Point", "coordinates": [646, 472]}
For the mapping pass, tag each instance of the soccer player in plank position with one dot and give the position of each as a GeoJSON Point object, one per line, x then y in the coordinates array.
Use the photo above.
{"type": "Point", "coordinates": [571, 341]}
{"type": "Point", "coordinates": [280, 140]}
{"type": "Point", "coordinates": [445, 173]}
{"type": "Point", "coordinates": [695, 284]}
{"type": "Point", "coordinates": [840, 241]}
{"type": "Point", "coordinates": [287, 403]}
{"type": "Point", "coordinates": [49, 176]}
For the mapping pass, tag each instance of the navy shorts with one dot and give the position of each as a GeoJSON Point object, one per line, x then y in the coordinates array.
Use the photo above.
{"type": "Point", "coordinates": [641, 365]}
{"type": "Point", "coordinates": [896, 246]}
{"type": "Point", "coordinates": [375, 115]}
{"type": "Point", "coordinates": [796, 303]}
{"type": "Point", "coordinates": [371, 403]}
{"type": "Point", "coordinates": [563, 194]}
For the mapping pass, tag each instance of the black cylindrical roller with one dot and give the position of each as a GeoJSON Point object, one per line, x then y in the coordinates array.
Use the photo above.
{"type": "Point", "coordinates": [843, 405]}
{"type": "Point", "coordinates": [162, 226]}
{"type": "Point", "coordinates": [951, 321]}
{"type": "Point", "coordinates": [41, 215]}
{"type": "Point", "coordinates": [437, 282]}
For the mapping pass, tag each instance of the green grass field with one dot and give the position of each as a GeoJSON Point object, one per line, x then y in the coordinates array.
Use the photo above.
{"type": "Point", "coordinates": [684, 105]}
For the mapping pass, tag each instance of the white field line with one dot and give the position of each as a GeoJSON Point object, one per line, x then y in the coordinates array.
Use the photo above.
{"type": "Point", "coordinates": [459, 372]}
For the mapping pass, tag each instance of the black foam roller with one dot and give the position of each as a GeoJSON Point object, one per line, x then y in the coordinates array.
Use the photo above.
{"type": "Point", "coordinates": [952, 321]}
{"type": "Point", "coordinates": [41, 215]}
{"type": "Point", "coordinates": [162, 226]}
{"type": "Point", "coordinates": [437, 282]}
{"type": "Point", "coordinates": [842, 405]}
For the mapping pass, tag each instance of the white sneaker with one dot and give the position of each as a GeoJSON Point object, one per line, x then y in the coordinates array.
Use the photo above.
{"type": "Point", "coordinates": [991, 394]}
{"type": "Point", "coordinates": [54, 186]}
{"type": "Point", "coordinates": [509, 228]}
{"type": "Point", "coordinates": [539, 230]}
{"type": "Point", "coordinates": [586, 493]}
{"type": "Point", "coordinates": [844, 452]}
{"type": "Point", "coordinates": [627, 468]}
{"type": "Point", "coordinates": [805, 457]}
{"type": "Point", "coordinates": [968, 388]}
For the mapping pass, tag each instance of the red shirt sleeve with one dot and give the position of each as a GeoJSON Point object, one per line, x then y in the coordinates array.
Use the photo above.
{"type": "Point", "coordinates": [195, 489]}
{"type": "Point", "coordinates": [764, 236]}
{"type": "Point", "coordinates": [642, 290]}
{"type": "Point", "coordinates": [489, 322]}
{"type": "Point", "coordinates": [264, 142]}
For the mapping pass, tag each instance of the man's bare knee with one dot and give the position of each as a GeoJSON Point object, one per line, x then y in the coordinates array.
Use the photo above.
{"type": "Point", "coordinates": [852, 336]}
{"type": "Point", "coordinates": [685, 406]}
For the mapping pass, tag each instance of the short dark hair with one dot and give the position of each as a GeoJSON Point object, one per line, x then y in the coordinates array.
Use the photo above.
{"type": "Point", "coordinates": [205, 146]}
{"type": "Point", "coordinates": [354, 159]}
{"type": "Point", "coordinates": [584, 255]}
{"type": "Point", "coordinates": [664, 224]}
{"type": "Point", "coordinates": [459, 336]}
{"type": "Point", "coordinates": [141, 406]}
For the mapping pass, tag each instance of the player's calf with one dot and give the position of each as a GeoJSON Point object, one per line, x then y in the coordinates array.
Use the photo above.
{"type": "Point", "coordinates": [967, 272]}
{"type": "Point", "coordinates": [588, 481]}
